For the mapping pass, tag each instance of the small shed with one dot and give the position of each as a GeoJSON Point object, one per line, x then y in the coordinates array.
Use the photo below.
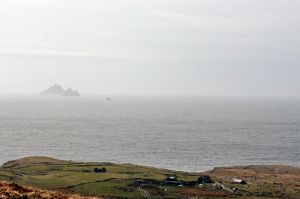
{"type": "Point", "coordinates": [171, 178]}
{"type": "Point", "coordinates": [239, 181]}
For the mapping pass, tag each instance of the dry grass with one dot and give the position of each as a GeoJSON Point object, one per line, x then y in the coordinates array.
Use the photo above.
{"type": "Point", "coordinates": [10, 190]}
{"type": "Point", "coordinates": [32, 161]}
{"type": "Point", "coordinates": [204, 192]}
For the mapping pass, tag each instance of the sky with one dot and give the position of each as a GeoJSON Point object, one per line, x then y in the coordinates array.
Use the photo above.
{"type": "Point", "coordinates": [157, 47]}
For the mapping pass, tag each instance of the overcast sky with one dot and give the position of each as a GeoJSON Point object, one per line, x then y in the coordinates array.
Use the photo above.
{"type": "Point", "coordinates": [149, 47]}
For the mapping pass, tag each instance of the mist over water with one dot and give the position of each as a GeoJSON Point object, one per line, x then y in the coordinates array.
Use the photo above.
{"type": "Point", "coordinates": [191, 134]}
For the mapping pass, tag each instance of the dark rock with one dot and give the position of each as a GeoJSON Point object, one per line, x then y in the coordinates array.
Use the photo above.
{"type": "Point", "coordinates": [101, 170]}
{"type": "Point", "coordinates": [204, 179]}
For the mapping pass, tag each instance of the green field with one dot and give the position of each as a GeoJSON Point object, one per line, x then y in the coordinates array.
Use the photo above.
{"type": "Point", "coordinates": [124, 180]}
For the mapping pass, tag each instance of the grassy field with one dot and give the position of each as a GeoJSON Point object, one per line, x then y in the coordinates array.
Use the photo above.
{"type": "Point", "coordinates": [132, 181]}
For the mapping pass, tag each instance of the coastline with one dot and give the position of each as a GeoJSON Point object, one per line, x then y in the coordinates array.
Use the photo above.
{"type": "Point", "coordinates": [133, 181]}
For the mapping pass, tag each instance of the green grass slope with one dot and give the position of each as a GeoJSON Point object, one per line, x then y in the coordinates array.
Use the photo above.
{"type": "Point", "coordinates": [132, 181]}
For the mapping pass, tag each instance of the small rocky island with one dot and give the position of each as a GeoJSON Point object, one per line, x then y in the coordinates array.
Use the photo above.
{"type": "Point", "coordinates": [59, 91]}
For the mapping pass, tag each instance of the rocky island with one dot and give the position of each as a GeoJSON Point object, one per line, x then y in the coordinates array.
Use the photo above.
{"type": "Point", "coordinates": [68, 179]}
{"type": "Point", "coordinates": [59, 91]}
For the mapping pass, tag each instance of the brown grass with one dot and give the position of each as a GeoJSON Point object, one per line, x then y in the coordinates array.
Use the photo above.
{"type": "Point", "coordinates": [10, 190]}
{"type": "Point", "coordinates": [202, 192]}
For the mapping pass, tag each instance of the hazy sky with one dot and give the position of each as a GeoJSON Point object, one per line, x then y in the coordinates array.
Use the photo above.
{"type": "Point", "coordinates": [186, 47]}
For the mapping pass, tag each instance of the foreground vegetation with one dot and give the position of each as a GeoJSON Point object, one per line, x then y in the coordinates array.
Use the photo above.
{"type": "Point", "coordinates": [131, 181]}
{"type": "Point", "coordinates": [10, 190]}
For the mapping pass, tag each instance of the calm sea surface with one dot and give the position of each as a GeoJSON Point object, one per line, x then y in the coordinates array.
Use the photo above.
{"type": "Point", "coordinates": [191, 134]}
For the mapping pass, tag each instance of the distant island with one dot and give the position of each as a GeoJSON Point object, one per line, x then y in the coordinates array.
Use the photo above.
{"type": "Point", "coordinates": [58, 90]}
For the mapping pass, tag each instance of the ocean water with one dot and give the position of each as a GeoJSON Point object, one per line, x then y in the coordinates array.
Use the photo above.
{"type": "Point", "coordinates": [190, 134]}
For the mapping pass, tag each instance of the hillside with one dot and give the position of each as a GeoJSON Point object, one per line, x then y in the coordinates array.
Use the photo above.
{"type": "Point", "coordinates": [132, 181]}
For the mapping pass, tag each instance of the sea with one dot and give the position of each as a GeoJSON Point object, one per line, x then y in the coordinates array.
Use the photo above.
{"type": "Point", "coordinates": [180, 133]}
